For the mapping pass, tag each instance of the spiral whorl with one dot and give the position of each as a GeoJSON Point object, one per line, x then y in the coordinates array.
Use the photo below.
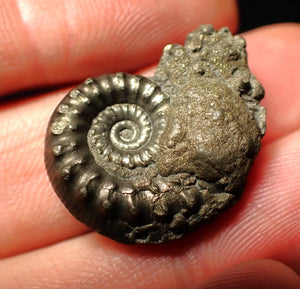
{"type": "Point", "coordinates": [122, 135]}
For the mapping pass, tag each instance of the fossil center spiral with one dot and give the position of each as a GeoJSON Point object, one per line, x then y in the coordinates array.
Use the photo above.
{"type": "Point", "coordinates": [131, 132]}
{"type": "Point", "coordinates": [119, 135]}
{"type": "Point", "coordinates": [127, 131]}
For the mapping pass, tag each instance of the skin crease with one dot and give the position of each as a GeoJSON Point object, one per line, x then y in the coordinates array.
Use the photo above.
{"type": "Point", "coordinates": [45, 247]}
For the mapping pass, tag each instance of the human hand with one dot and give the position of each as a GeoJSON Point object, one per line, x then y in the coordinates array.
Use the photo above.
{"type": "Point", "coordinates": [42, 246]}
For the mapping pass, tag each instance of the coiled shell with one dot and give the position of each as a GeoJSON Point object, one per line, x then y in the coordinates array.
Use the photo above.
{"type": "Point", "coordinates": [146, 161]}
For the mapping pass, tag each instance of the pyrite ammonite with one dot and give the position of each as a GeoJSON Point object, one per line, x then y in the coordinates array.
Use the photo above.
{"type": "Point", "coordinates": [147, 160]}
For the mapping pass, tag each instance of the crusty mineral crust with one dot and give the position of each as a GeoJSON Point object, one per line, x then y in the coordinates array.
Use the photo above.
{"type": "Point", "coordinates": [217, 55]}
{"type": "Point", "coordinates": [215, 122]}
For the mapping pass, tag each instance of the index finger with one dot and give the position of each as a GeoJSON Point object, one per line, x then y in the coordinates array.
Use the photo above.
{"type": "Point", "coordinates": [44, 43]}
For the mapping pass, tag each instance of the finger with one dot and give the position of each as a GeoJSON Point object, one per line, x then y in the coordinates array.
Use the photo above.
{"type": "Point", "coordinates": [30, 213]}
{"type": "Point", "coordinates": [267, 274]}
{"type": "Point", "coordinates": [264, 224]}
{"type": "Point", "coordinates": [274, 60]}
{"type": "Point", "coordinates": [53, 42]}
{"type": "Point", "coordinates": [256, 228]}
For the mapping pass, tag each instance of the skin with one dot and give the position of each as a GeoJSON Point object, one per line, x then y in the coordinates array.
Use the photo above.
{"type": "Point", "coordinates": [46, 44]}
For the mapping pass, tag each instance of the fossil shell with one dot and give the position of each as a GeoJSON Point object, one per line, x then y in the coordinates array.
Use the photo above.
{"type": "Point", "coordinates": [147, 160]}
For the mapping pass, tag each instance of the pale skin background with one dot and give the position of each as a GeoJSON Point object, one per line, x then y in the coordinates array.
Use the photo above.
{"type": "Point", "coordinates": [43, 44]}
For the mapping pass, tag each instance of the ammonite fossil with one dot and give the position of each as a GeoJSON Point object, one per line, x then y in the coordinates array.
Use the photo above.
{"type": "Point", "coordinates": [146, 160]}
